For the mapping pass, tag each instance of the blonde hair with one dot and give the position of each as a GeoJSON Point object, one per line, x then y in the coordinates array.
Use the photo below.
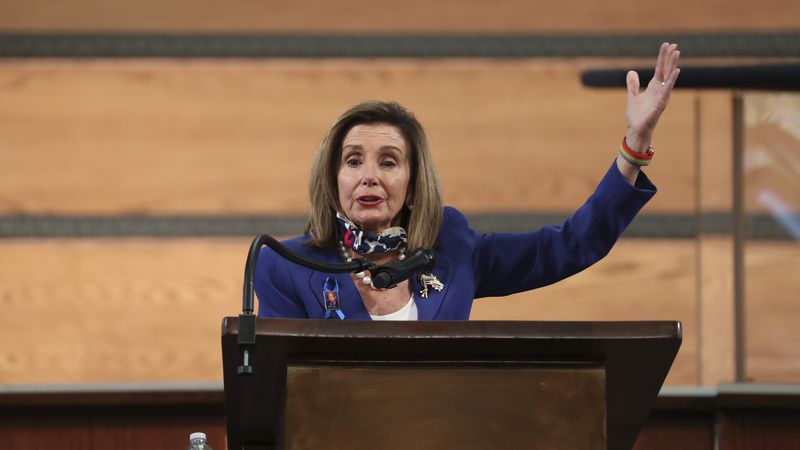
{"type": "Point", "coordinates": [421, 218]}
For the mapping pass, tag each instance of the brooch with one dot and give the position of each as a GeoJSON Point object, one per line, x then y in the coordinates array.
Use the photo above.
{"type": "Point", "coordinates": [429, 281]}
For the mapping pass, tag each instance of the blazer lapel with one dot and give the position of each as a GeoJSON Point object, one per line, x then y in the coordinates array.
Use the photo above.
{"type": "Point", "coordinates": [429, 307]}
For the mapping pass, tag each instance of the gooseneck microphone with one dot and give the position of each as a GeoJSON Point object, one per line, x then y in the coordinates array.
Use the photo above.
{"type": "Point", "coordinates": [248, 304]}
{"type": "Point", "coordinates": [247, 319]}
{"type": "Point", "coordinates": [387, 276]}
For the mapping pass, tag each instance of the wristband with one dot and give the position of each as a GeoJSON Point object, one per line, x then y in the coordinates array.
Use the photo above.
{"type": "Point", "coordinates": [637, 159]}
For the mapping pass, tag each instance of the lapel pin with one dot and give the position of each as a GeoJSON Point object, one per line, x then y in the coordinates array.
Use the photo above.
{"type": "Point", "coordinates": [429, 281]}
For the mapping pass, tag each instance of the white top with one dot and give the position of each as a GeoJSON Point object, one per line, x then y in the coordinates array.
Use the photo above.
{"type": "Point", "coordinates": [197, 435]}
{"type": "Point", "coordinates": [407, 312]}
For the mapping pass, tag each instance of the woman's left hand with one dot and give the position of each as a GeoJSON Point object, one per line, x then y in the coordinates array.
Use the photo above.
{"type": "Point", "coordinates": [644, 108]}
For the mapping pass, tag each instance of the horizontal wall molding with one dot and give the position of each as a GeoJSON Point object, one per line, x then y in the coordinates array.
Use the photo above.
{"type": "Point", "coordinates": [93, 45]}
{"type": "Point", "coordinates": [665, 226]}
{"type": "Point", "coordinates": [157, 226]}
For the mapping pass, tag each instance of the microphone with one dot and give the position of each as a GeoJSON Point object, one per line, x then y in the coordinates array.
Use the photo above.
{"type": "Point", "coordinates": [421, 260]}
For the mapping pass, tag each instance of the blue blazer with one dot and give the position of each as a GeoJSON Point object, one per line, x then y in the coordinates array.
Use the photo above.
{"type": "Point", "coordinates": [469, 264]}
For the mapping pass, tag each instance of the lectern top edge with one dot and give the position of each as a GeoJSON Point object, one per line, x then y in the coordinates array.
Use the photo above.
{"type": "Point", "coordinates": [465, 329]}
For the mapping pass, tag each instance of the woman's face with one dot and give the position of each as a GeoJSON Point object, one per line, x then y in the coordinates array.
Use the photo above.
{"type": "Point", "coordinates": [373, 176]}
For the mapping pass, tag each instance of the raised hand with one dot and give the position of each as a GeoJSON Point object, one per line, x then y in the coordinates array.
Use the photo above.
{"type": "Point", "coordinates": [645, 107]}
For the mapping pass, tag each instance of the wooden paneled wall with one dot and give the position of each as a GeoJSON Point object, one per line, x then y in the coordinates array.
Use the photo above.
{"type": "Point", "coordinates": [150, 310]}
{"type": "Point", "coordinates": [220, 137]}
{"type": "Point", "coordinates": [155, 137]}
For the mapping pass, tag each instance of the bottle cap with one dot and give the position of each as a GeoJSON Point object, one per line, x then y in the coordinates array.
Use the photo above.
{"type": "Point", "coordinates": [197, 435]}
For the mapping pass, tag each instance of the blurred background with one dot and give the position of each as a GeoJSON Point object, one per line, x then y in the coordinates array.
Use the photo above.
{"type": "Point", "coordinates": [143, 144]}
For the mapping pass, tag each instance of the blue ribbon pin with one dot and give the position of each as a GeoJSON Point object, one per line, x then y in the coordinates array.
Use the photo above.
{"type": "Point", "coordinates": [330, 298]}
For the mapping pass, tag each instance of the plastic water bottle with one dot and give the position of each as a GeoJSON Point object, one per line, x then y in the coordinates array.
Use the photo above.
{"type": "Point", "coordinates": [197, 441]}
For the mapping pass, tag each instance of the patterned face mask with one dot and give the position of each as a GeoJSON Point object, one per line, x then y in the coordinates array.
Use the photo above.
{"type": "Point", "coordinates": [365, 243]}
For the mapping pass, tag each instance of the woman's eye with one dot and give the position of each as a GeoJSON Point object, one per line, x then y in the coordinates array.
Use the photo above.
{"type": "Point", "coordinates": [388, 163]}
{"type": "Point", "coordinates": [352, 162]}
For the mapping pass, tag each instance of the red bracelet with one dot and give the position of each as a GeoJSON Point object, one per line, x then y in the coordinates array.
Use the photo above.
{"type": "Point", "coordinates": [635, 158]}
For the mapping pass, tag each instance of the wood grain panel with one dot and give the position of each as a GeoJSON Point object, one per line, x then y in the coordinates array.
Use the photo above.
{"type": "Point", "coordinates": [121, 426]}
{"type": "Point", "coordinates": [772, 152]}
{"type": "Point", "coordinates": [116, 310]}
{"type": "Point", "coordinates": [639, 280]}
{"type": "Point", "coordinates": [570, 412]}
{"type": "Point", "coordinates": [67, 432]}
{"type": "Point", "coordinates": [237, 136]}
{"type": "Point", "coordinates": [716, 358]}
{"type": "Point", "coordinates": [359, 16]}
{"type": "Point", "coordinates": [687, 430]}
{"type": "Point", "coordinates": [714, 287]}
{"type": "Point", "coordinates": [714, 161]}
{"type": "Point", "coordinates": [150, 309]}
{"type": "Point", "coordinates": [767, 430]}
{"type": "Point", "coordinates": [771, 293]}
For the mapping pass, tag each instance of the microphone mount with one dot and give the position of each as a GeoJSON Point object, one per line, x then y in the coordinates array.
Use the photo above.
{"type": "Point", "coordinates": [386, 276]}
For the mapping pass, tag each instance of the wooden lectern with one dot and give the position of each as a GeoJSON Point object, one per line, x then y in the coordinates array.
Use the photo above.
{"type": "Point", "coordinates": [352, 385]}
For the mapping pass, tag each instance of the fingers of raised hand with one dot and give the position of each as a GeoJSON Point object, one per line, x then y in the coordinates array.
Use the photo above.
{"type": "Point", "coordinates": [632, 80]}
{"type": "Point", "coordinates": [666, 72]}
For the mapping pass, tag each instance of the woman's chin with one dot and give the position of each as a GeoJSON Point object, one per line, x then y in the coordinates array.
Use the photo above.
{"type": "Point", "coordinates": [372, 224]}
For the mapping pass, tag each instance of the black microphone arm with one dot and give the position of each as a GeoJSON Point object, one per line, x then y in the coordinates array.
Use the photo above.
{"type": "Point", "coordinates": [386, 276]}
{"type": "Point", "coordinates": [247, 320]}
{"type": "Point", "coordinates": [357, 265]}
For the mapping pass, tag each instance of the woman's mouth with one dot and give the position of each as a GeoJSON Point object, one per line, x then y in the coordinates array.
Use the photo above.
{"type": "Point", "coordinates": [368, 200]}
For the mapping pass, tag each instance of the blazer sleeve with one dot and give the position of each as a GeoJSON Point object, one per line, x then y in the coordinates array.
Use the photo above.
{"type": "Point", "coordinates": [275, 288]}
{"type": "Point", "coordinates": [507, 263]}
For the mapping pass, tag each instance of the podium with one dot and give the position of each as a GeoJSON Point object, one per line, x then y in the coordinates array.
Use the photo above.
{"type": "Point", "coordinates": [330, 384]}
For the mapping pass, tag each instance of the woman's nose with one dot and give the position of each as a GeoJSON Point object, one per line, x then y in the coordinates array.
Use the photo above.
{"type": "Point", "coordinates": [369, 180]}
{"type": "Point", "coordinates": [370, 175]}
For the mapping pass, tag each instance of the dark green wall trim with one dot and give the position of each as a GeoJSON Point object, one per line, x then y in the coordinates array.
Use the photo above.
{"type": "Point", "coordinates": [669, 226]}
{"type": "Point", "coordinates": [71, 45]}
{"type": "Point", "coordinates": [157, 226]}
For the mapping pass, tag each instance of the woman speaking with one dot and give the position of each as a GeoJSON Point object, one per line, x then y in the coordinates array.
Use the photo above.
{"type": "Point", "coordinates": [375, 195]}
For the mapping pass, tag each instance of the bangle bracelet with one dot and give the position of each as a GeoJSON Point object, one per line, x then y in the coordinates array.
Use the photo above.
{"type": "Point", "coordinates": [635, 158]}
